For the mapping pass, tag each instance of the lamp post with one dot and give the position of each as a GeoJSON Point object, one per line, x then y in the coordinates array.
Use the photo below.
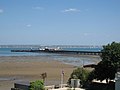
{"type": "Point", "coordinates": [62, 77]}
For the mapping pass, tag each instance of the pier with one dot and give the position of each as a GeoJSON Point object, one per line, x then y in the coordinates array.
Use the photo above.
{"type": "Point", "coordinates": [61, 51]}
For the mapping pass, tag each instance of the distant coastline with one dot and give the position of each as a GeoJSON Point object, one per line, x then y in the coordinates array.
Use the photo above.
{"type": "Point", "coordinates": [43, 46]}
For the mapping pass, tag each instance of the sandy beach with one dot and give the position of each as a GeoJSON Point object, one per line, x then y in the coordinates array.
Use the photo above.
{"type": "Point", "coordinates": [30, 68]}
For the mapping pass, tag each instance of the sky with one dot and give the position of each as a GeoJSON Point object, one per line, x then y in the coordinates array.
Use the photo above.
{"type": "Point", "coordinates": [59, 22]}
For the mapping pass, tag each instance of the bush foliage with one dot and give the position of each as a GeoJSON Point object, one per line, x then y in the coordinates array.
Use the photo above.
{"type": "Point", "coordinates": [37, 85]}
{"type": "Point", "coordinates": [80, 73]}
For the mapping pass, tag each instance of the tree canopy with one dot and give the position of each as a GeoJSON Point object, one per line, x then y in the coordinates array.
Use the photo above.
{"type": "Point", "coordinates": [107, 68]}
{"type": "Point", "coordinates": [81, 74]}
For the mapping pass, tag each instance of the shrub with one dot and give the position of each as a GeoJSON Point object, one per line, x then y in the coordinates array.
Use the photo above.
{"type": "Point", "coordinates": [81, 74]}
{"type": "Point", "coordinates": [37, 85]}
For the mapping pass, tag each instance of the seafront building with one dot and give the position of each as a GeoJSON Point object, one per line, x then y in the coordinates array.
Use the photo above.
{"type": "Point", "coordinates": [117, 80]}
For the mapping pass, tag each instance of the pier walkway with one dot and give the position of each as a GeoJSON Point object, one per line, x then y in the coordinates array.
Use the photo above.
{"type": "Point", "coordinates": [61, 51]}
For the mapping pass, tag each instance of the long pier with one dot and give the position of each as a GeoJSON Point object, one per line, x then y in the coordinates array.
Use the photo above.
{"type": "Point", "coordinates": [61, 51]}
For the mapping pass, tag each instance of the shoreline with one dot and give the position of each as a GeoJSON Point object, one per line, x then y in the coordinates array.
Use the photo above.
{"type": "Point", "coordinates": [69, 59]}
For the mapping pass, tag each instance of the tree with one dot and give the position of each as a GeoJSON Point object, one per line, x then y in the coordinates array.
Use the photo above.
{"type": "Point", "coordinates": [106, 69]}
{"type": "Point", "coordinates": [37, 85]}
{"type": "Point", "coordinates": [81, 74]}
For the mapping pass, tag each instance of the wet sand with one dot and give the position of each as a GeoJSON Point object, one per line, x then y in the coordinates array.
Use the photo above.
{"type": "Point", "coordinates": [30, 68]}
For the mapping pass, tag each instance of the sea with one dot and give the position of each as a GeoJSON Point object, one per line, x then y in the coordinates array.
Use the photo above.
{"type": "Point", "coordinates": [75, 60]}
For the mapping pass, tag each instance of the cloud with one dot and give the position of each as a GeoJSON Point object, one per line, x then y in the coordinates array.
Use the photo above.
{"type": "Point", "coordinates": [86, 34]}
{"type": "Point", "coordinates": [1, 10]}
{"type": "Point", "coordinates": [28, 25]}
{"type": "Point", "coordinates": [71, 10]}
{"type": "Point", "coordinates": [38, 8]}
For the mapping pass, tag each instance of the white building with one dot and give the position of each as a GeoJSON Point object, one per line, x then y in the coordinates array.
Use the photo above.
{"type": "Point", "coordinates": [117, 80]}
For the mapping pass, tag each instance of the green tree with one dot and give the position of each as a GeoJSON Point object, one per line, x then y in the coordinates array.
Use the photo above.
{"type": "Point", "coordinates": [80, 73]}
{"type": "Point", "coordinates": [91, 76]}
{"type": "Point", "coordinates": [106, 69]}
{"type": "Point", "coordinates": [37, 85]}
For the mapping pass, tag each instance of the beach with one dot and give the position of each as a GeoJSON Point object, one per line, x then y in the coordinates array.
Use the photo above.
{"type": "Point", "coordinates": [29, 68]}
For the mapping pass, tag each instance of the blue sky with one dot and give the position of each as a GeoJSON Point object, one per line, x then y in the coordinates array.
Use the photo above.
{"type": "Point", "coordinates": [59, 22]}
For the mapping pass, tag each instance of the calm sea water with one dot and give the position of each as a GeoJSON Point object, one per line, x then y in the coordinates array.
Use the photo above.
{"type": "Point", "coordinates": [7, 52]}
{"type": "Point", "coordinates": [84, 49]}
{"type": "Point", "coordinates": [69, 59]}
